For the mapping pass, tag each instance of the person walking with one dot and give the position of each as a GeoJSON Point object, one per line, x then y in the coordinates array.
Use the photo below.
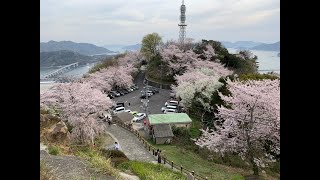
{"type": "Point", "coordinates": [129, 104]}
{"type": "Point", "coordinates": [116, 146]}
{"type": "Point", "coordinates": [159, 157]}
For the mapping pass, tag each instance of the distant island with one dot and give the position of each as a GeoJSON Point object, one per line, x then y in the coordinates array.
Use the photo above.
{"type": "Point", "coordinates": [132, 47]}
{"type": "Point", "coordinates": [81, 48]}
{"type": "Point", "coordinates": [250, 45]}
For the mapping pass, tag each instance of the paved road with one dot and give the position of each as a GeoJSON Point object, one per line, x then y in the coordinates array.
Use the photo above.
{"type": "Point", "coordinates": [130, 145]}
{"type": "Point", "coordinates": [71, 168]}
{"type": "Point", "coordinates": [155, 102]}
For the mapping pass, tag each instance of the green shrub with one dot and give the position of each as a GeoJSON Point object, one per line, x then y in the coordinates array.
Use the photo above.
{"type": "Point", "coordinates": [237, 177]}
{"type": "Point", "coordinates": [54, 150]}
{"type": "Point", "coordinates": [117, 157]}
{"type": "Point", "coordinates": [98, 161]}
{"type": "Point", "coordinates": [256, 76]}
{"type": "Point", "coordinates": [150, 171]}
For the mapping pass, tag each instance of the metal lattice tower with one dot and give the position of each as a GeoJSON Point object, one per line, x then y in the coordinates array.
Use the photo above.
{"type": "Point", "coordinates": [182, 25]}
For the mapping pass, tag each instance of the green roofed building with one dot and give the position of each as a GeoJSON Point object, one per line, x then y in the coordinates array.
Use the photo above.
{"type": "Point", "coordinates": [177, 119]}
{"type": "Point", "coordinates": [159, 125]}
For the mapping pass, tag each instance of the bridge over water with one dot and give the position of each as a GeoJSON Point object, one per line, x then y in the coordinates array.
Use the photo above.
{"type": "Point", "coordinates": [60, 71]}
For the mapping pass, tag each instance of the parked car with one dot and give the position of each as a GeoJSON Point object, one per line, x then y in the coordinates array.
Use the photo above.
{"type": "Point", "coordinates": [168, 111]}
{"type": "Point", "coordinates": [139, 117]}
{"type": "Point", "coordinates": [172, 102]}
{"type": "Point", "coordinates": [129, 89]}
{"type": "Point", "coordinates": [154, 90]}
{"type": "Point", "coordinates": [169, 107]}
{"type": "Point", "coordinates": [115, 93]}
{"type": "Point", "coordinates": [123, 91]}
{"type": "Point", "coordinates": [118, 110]}
{"type": "Point", "coordinates": [150, 92]}
{"type": "Point", "coordinates": [127, 110]}
{"type": "Point", "coordinates": [143, 96]}
{"type": "Point", "coordinates": [120, 92]}
{"type": "Point", "coordinates": [126, 91]}
{"type": "Point", "coordinates": [120, 104]}
{"type": "Point", "coordinates": [134, 87]}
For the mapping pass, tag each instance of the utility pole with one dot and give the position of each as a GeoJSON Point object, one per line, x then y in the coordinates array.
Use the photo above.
{"type": "Point", "coordinates": [146, 100]}
{"type": "Point", "coordinates": [161, 76]}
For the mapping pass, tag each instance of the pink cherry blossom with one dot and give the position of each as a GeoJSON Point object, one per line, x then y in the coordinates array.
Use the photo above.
{"type": "Point", "coordinates": [252, 119]}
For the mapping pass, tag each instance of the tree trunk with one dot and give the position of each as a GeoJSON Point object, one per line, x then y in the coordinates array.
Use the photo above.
{"type": "Point", "coordinates": [254, 165]}
{"type": "Point", "coordinates": [250, 148]}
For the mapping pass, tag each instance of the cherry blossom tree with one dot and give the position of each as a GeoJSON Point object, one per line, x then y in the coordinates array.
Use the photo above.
{"type": "Point", "coordinates": [100, 80]}
{"type": "Point", "coordinates": [131, 58]}
{"type": "Point", "coordinates": [201, 77]}
{"type": "Point", "coordinates": [78, 103]}
{"type": "Point", "coordinates": [217, 68]}
{"type": "Point", "coordinates": [113, 76]}
{"type": "Point", "coordinates": [209, 52]}
{"type": "Point", "coordinates": [251, 125]}
{"type": "Point", "coordinates": [203, 81]}
{"type": "Point", "coordinates": [177, 59]}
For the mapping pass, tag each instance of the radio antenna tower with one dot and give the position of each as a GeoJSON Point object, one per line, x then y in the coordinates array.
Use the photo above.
{"type": "Point", "coordinates": [182, 25]}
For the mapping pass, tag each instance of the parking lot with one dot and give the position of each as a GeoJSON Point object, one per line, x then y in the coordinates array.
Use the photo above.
{"type": "Point", "coordinates": [156, 101]}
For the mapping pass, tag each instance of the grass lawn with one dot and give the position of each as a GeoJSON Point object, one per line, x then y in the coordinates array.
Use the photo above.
{"type": "Point", "coordinates": [150, 171]}
{"type": "Point", "coordinates": [194, 162]}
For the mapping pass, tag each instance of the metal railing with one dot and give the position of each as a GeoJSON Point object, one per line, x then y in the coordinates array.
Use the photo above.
{"type": "Point", "coordinates": [164, 160]}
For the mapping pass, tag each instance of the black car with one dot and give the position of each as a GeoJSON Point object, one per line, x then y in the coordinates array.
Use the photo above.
{"type": "Point", "coordinates": [126, 91]}
{"type": "Point", "coordinates": [154, 90]}
{"type": "Point", "coordinates": [123, 91]}
{"type": "Point", "coordinates": [120, 104]}
{"type": "Point", "coordinates": [143, 96]}
{"type": "Point", "coordinates": [133, 87]}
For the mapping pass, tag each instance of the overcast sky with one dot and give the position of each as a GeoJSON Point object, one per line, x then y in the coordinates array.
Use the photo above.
{"type": "Point", "coordinates": [104, 22]}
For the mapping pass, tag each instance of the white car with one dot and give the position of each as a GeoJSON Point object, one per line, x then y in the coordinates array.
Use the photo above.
{"type": "Point", "coordinates": [128, 110]}
{"type": "Point", "coordinates": [118, 110]}
{"type": "Point", "coordinates": [171, 102]}
{"type": "Point", "coordinates": [139, 117]}
{"type": "Point", "coordinates": [168, 107]}
{"type": "Point", "coordinates": [150, 92]}
{"type": "Point", "coordinates": [116, 93]}
{"type": "Point", "coordinates": [168, 111]}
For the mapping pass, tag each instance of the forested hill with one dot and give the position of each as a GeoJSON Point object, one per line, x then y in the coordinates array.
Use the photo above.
{"type": "Point", "coordinates": [81, 48]}
{"type": "Point", "coordinates": [64, 57]}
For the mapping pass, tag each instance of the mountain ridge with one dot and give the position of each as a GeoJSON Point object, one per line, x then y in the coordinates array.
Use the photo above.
{"type": "Point", "coordinates": [81, 48]}
{"type": "Point", "coordinates": [251, 45]}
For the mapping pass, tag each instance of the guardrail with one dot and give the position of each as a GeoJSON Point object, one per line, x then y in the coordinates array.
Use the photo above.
{"type": "Point", "coordinates": [163, 158]}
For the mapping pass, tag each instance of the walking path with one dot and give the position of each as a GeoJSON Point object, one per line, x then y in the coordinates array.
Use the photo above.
{"type": "Point", "coordinates": [71, 168]}
{"type": "Point", "coordinates": [130, 145]}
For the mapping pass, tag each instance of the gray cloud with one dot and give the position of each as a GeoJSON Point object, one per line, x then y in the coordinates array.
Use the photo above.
{"type": "Point", "coordinates": [126, 22]}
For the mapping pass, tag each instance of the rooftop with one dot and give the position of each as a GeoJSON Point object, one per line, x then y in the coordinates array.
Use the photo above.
{"type": "Point", "coordinates": [163, 130]}
{"type": "Point", "coordinates": [174, 118]}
